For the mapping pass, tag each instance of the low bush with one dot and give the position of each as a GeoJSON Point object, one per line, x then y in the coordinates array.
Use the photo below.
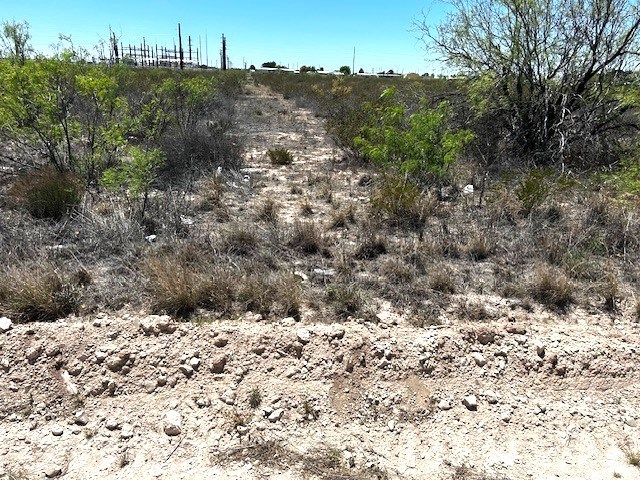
{"type": "Point", "coordinates": [47, 193]}
{"type": "Point", "coordinates": [307, 238]}
{"type": "Point", "coordinates": [552, 288]}
{"type": "Point", "coordinates": [345, 300]}
{"type": "Point", "coordinates": [30, 294]}
{"type": "Point", "coordinates": [280, 156]}
{"type": "Point", "coordinates": [402, 203]}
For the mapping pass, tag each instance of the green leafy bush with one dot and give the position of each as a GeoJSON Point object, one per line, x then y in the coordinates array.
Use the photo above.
{"type": "Point", "coordinates": [421, 146]}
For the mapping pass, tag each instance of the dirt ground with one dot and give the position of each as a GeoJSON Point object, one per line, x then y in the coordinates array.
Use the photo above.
{"type": "Point", "coordinates": [128, 395]}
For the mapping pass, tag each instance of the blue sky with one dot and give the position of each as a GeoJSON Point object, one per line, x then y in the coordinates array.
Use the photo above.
{"type": "Point", "coordinates": [292, 33]}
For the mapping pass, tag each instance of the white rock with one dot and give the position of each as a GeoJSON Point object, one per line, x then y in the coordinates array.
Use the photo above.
{"type": "Point", "coordinates": [172, 423]}
{"type": "Point", "coordinates": [471, 402]}
{"type": "Point", "coordinates": [127, 431]}
{"type": "Point", "coordinates": [150, 385]}
{"type": "Point", "coordinates": [391, 425]}
{"type": "Point", "coordinates": [194, 363]}
{"type": "Point", "coordinates": [444, 405]}
{"type": "Point", "coordinates": [57, 430]}
{"type": "Point", "coordinates": [467, 190]}
{"type": "Point", "coordinates": [5, 324]}
{"type": "Point", "coordinates": [53, 471]}
{"type": "Point", "coordinates": [276, 415]}
{"type": "Point", "coordinates": [228, 397]}
{"type": "Point", "coordinates": [479, 359]}
{"type": "Point", "coordinates": [304, 335]}
{"type": "Point", "coordinates": [187, 370]}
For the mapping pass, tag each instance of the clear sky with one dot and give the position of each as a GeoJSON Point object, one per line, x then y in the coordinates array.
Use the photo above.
{"type": "Point", "coordinates": [292, 33]}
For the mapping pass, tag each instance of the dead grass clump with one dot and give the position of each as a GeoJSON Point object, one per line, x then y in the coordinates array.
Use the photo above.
{"type": "Point", "coordinates": [403, 204]}
{"type": "Point", "coordinates": [47, 193]}
{"type": "Point", "coordinates": [342, 218]}
{"type": "Point", "coordinates": [240, 240]}
{"type": "Point", "coordinates": [268, 211]}
{"type": "Point", "coordinates": [552, 288]}
{"type": "Point", "coordinates": [30, 294]}
{"type": "Point", "coordinates": [212, 190]}
{"type": "Point", "coordinates": [345, 300]}
{"type": "Point", "coordinates": [479, 248]}
{"type": "Point", "coordinates": [637, 311]}
{"type": "Point", "coordinates": [371, 246]}
{"type": "Point", "coordinates": [280, 156]}
{"type": "Point", "coordinates": [271, 294]}
{"type": "Point", "coordinates": [442, 280]}
{"type": "Point", "coordinates": [307, 238]}
{"type": "Point", "coordinates": [176, 287]}
{"type": "Point", "coordinates": [398, 271]}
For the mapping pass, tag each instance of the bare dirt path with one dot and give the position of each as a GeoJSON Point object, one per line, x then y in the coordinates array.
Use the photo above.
{"type": "Point", "coordinates": [133, 396]}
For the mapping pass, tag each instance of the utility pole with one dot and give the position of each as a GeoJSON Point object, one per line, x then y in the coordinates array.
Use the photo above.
{"type": "Point", "coordinates": [199, 50]}
{"type": "Point", "coordinates": [206, 46]}
{"type": "Point", "coordinates": [224, 53]}
{"type": "Point", "coordinates": [189, 47]}
{"type": "Point", "coordinates": [353, 65]}
{"type": "Point", "coordinates": [180, 44]}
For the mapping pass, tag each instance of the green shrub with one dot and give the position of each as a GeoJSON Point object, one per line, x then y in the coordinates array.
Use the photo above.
{"type": "Point", "coordinates": [421, 146]}
{"type": "Point", "coordinates": [280, 156]}
{"type": "Point", "coordinates": [48, 193]}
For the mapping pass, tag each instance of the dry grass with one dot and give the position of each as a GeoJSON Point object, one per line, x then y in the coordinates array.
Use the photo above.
{"type": "Point", "coordinates": [307, 238]}
{"type": "Point", "coordinates": [37, 293]}
{"type": "Point", "coordinates": [552, 288]}
{"type": "Point", "coordinates": [47, 193]}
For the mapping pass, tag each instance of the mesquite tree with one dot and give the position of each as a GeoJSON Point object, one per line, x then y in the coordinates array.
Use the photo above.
{"type": "Point", "coordinates": [550, 73]}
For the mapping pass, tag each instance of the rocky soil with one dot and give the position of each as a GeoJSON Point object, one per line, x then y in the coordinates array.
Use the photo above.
{"type": "Point", "coordinates": [128, 395]}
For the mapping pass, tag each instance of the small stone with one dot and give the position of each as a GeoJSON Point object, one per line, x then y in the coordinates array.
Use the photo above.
{"type": "Point", "coordinates": [471, 402]}
{"type": "Point", "coordinates": [303, 335]}
{"type": "Point", "coordinates": [491, 397]}
{"type": "Point", "coordinates": [505, 417]}
{"type": "Point", "coordinates": [127, 431]}
{"type": "Point", "coordinates": [53, 471]}
{"type": "Point", "coordinates": [34, 353]}
{"type": "Point", "coordinates": [162, 380]}
{"type": "Point", "coordinates": [242, 429]}
{"type": "Point", "coordinates": [444, 405]}
{"type": "Point", "coordinates": [220, 341]}
{"type": "Point", "coordinates": [150, 385]}
{"type": "Point", "coordinates": [187, 370]}
{"type": "Point", "coordinates": [116, 362]}
{"type": "Point", "coordinates": [5, 324]}
{"type": "Point", "coordinates": [541, 350]}
{"type": "Point", "coordinates": [228, 397]}
{"type": "Point", "coordinates": [485, 336]}
{"type": "Point", "coordinates": [218, 363]}
{"type": "Point", "coordinates": [112, 424]}
{"type": "Point", "coordinates": [100, 356]}
{"type": "Point", "coordinates": [172, 423]}
{"type": "Point", "coordinates": [391, 425]}
{"type": "Point", "coordinates": [516, 329]}
{"type": "Point", "coordinates": [81, 420]}
{"type": "Point", "coordinates": [57, 430]}
{"type": "Point", "coordinates": [194, 363]}
{"type": "Point", "coordinates": [631, 422]}
{"type": "Point", "coordinates": [276, 415]}
{"type": "Point", "coordinates": [337, 332]}
{"type": "Point", "coordinates": [479, 359]}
